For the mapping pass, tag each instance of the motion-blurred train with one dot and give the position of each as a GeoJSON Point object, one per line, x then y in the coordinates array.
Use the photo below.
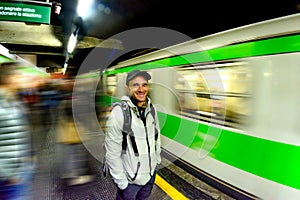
{"type": "Point", "coordinates": [228, 106]}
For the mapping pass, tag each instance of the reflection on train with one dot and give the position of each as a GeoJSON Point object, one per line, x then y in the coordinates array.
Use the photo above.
{"type": "Point", "coordinates": [228, 106]}
{"type": "Point", "coordinates": [214, 93]}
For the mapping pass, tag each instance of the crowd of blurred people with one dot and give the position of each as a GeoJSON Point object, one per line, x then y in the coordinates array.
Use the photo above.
{"type": "Point", "coordinates": [32, 118]}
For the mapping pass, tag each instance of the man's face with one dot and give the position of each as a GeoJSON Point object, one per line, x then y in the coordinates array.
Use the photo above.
{"type": "Point", "coordinates": [138, 88]}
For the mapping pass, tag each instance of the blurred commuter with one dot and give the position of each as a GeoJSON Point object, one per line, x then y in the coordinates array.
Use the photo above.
{"type": "Point", "coordinates": [16, 163]}
{"type": "Point", "coordinates": [45, 117]}
{"type": "Point", "coordinates": [49, 101]}
{"type": "Point", "coordinates": [133, 164]}
{"type": "Point", "coordinates": [73, 156]}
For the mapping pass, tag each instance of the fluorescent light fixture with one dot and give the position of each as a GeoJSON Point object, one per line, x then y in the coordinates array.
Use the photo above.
{"type": "Point", "coordinates": [72, 43]}
{"type": "Point", "coordinates": [84, 8]}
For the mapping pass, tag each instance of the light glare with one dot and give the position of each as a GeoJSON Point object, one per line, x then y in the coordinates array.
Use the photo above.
{"type": "Point", "coordinates": [84, 8]}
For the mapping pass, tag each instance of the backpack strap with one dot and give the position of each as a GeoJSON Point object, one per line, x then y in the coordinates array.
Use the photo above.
{"type": "Point", "coordinates": [127, 130]}
{"type": "Point", "coordinates": [153, 115]}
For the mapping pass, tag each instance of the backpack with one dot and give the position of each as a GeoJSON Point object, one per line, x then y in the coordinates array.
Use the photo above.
{"type": "Point", "coordinates": [127, 130]}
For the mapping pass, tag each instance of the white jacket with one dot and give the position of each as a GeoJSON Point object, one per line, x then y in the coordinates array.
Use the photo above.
{"type": "Point", "coordinates": [124, 166]}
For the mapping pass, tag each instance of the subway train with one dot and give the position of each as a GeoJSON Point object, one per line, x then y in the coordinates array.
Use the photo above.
{"type": "Point", "coordinates": [228, 106]}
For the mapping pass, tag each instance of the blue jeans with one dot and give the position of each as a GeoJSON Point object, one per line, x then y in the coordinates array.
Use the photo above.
{"type": "Point", "coordinates": [136, 192]}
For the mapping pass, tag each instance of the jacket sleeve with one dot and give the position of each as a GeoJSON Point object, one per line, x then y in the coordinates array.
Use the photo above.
{"type": "Point", "coordinates": [113, 146]}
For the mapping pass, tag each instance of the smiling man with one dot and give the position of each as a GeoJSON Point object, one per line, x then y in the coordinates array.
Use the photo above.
{"type": "Point", "coordinates": [133, 152]}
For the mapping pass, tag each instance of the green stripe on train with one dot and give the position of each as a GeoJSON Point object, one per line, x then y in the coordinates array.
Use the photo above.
{"type": "Point", "coordinates": [272, 160]}
{"type": "Point", "coordinates": [243, 50]}
{"type": "Point", "coordinates": [4, 59]}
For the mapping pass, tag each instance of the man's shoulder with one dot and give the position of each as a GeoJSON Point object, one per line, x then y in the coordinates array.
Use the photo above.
{"type": "Point", "coordinates": [117, 110]}
{"type": "Point", "coordinates": [125, 98]}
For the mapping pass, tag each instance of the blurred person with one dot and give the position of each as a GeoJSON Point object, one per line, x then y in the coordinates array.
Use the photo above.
{"type": "Point", "coordinates": [49, 101]}
{"type": "Point", "coordinates": [73, 156]}
{"type": "Point", "coordinates": [16, 163]}
{"type": "Point", "coordinates": [30, 98]}
{"type": "Point", "coordinates": [134, 171]}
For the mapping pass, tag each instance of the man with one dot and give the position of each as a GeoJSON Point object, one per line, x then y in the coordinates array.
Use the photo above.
{"type": "Point", "coordinates": [134, 172]}
{"type": "Point", "coordinates": [16, 166]}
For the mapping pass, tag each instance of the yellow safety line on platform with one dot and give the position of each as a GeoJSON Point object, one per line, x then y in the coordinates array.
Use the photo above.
{"type": "Point", "coordinates": [169, 189]}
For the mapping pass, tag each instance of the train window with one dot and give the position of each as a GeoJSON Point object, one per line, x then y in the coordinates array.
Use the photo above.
{"type": "Point", "coordinates": [111, 85]}
{"type": "Point", "coordinates": [216, 94]}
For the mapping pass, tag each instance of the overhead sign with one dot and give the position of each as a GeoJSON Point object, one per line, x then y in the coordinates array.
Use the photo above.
{"type": "Point", "coordinates": [35, 12]}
